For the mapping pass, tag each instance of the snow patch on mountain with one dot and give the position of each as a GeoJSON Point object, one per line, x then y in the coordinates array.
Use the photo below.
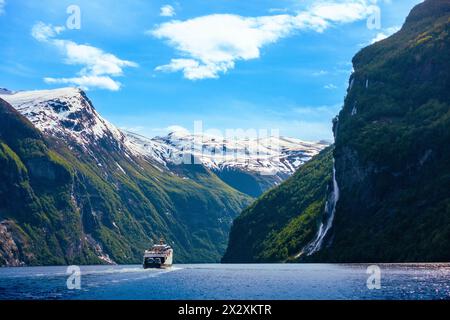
{"type": "Point", "coordinates": [5, 91]}
{"type": "Point", "coordinates": [64, 113]}
{"type": "Point", "coordinates": [151, 149]}
{"type": "Point", "coordinates": [266, 156]}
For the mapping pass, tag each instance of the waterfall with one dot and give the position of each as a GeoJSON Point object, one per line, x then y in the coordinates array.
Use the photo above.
{"type": "Point", "coordinates": [330, 210]}
{"type": "Point", "coordinates": [354, 110]}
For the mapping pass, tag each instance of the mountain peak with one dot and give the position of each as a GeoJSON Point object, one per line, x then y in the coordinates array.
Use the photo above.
{"type": "Point", "coordinates": [428, 9]}
{"type": "Point", "coordinates": [4, 91]}
{"type": "Point", "coordinates": [43, 95]}
{"type": "Point", "coordinates": [65, 113]}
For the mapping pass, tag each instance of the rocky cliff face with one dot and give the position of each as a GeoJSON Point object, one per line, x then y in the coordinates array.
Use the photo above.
{"type": "Point", "coordinates": [391, 150]}
{"type": "Point", "coordinates": [392, 173]}
{"type": "Point", "coordinates": [37, 214]}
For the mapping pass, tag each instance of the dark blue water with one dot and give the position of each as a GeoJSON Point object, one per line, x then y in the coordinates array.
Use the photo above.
{"type": "Point", "coordinates": [215, 281]}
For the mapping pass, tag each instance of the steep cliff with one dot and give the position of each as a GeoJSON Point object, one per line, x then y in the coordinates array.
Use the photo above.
{"type": "Point", "coordinates": [390, 196]}
{"type": "Point", "coordinates": [391, 154]}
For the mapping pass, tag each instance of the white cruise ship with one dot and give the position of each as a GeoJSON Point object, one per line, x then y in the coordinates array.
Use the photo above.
{"type": "Point", "coordinates": [159, 256]}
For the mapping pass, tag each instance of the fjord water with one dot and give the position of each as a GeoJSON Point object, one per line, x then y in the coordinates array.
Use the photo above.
{"type": "Point", "coordinates": [216, 281]}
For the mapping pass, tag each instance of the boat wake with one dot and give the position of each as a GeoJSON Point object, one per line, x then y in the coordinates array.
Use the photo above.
{"type": "Point", "coordinates": [58, 272]}
{"type": "Point", "coordinates": [137, 269]}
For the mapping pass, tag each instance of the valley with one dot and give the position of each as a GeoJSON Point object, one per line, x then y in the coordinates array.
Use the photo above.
{"type": "Point", "coordinates": [101, 195]}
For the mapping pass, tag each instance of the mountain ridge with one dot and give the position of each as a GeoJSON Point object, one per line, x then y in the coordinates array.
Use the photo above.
{"type": "Point", "coordinates": [251, 166]}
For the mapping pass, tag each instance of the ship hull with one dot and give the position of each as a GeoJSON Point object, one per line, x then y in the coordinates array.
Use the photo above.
{"type": "Point", "coordinates": [149, 264]}
{"type": "Point", "coordinates": [159, 257]}
{"type": "Point", "coordinates": [160, 261]}
{"type": "Point", "coordinates": [156, 266]}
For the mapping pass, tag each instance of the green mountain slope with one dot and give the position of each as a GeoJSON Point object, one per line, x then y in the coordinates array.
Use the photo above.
{"type": "Point", "coordinates": [392, 156]}
{"type": "Point", "coordinates": [252, 184]}
{"type": "Point", "coordinates": [391, 159]}
{"type": "Point", "coordinates": [284, 219]}
{"type": "Point", "coordinates": [60, 205]}
{"type": "Point", "coordinates": [35, 199]}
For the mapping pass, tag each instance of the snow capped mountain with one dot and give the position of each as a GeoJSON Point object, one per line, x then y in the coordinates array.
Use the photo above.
{"type": "Point", "coordinates": [5, 91]}
{"type": "Point", "coordinates": [266, 156]}
{"type": "Point", "coordinates": [149, 148]}
{"type": "Point", "coordinates": [68, 114]}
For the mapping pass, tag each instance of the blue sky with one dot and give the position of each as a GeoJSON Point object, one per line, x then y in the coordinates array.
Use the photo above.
{"type": "Point", "coordinates": [151, 65]}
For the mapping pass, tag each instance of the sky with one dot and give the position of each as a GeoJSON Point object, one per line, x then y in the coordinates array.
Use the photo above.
{"type": "Point", "coordinates": [154, 66]}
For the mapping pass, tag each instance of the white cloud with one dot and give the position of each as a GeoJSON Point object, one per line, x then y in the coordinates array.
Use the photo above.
{"type": "Point", "coordinates": [385, 34]}
{"type": "Point", "coordinates": [97, 66]}
{"type": "Point", "coordinates": [193, 70]}
{"type": "Point", "coordinates": [95, 61]}
{"type": "Point", "coordinates": [44, 32]}
{"type": "Point", "coordinates": [211, 45]}
{"type": "Point", "coordinates": [380, 36]}
{"type": "Point", "coordinates": [167, 11]}
{"type": "Point", "coordinates": [86, 82]}
{"type": "Point", "coordinates": [2, 6]}
{"type": "Point", "coordinates": [177, 129]}
{"type": "Point", "coordinates": [330, 86]}
{"type": "Point", "coordinates": [342, 12]}
{"type": "Point", "coordinates": [320, 73]}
